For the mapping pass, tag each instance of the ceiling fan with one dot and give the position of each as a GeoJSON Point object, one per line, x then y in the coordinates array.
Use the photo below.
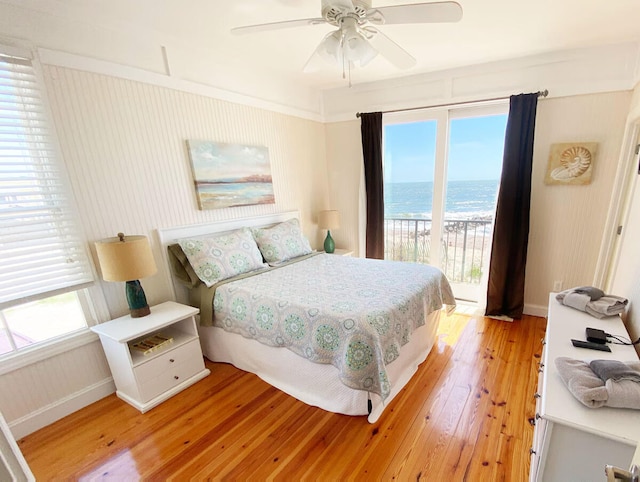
{"type": "Point", "coordinates": [356, 42]}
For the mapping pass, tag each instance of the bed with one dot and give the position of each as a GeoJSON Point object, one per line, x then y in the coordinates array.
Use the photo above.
{"type": "Point", "coordinates": [344, 334]}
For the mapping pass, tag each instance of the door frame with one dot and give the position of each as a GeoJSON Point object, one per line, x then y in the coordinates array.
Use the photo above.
{"type": "Point", "coordinates": [443, 116]}
{"type": "Point", "coordinates": [626, 176]}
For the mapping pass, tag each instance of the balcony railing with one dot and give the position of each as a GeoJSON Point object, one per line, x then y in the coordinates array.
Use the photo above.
{"type": "Point", "coordinates": [464, 249]}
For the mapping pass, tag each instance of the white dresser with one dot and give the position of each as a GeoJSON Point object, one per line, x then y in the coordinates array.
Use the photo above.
{"type": "Point", "coordinates": [145, 380]}
{"type": "Point", "coordinates": [572, 442]}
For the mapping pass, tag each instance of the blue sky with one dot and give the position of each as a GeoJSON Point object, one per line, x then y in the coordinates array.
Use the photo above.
{"type": "Point", "coordinates": [475, 151]}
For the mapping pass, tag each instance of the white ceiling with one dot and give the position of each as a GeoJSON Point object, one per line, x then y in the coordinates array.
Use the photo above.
{"type": "Point", "coordinates": [490, 30]}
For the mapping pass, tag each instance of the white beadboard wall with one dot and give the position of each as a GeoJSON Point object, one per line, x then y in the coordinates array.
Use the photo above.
{"type": "Point", "coordinates": [36, 395]}
{"type": "Point", "coordinates": [124, 144]}
{"type": "Point", "coordinates": [567, 221]}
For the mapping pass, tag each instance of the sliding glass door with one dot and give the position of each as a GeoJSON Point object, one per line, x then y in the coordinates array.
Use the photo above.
{"type": "Point", "coordinates": [441, 174]}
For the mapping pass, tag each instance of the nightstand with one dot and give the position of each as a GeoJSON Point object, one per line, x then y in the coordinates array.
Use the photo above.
{"type": "Point", "coordinates": [343, 252]}
{"type": "Point", "coordinates": [146, 376]}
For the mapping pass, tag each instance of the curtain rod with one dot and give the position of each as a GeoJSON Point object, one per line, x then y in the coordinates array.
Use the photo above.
{"type": "Point", "coordinates": [541, 93]}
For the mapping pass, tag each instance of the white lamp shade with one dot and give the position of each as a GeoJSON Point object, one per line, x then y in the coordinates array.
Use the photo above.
{"type": "Point", "coordinates": [329, 219]}
{"type": "Point", "coordinates": [125, 258]}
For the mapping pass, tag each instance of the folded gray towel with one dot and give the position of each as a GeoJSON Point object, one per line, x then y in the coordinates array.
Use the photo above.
{"type": "Point", "coordinates": [623, 394]}
{"type": "Point", "coordinates": [583, 384]}
{"type": "Point", "coordinates": [614, 370]}
{"type": "Point", "coordinates": [607, 305]}
{"type": "Point", "coordinates": [576, 300]}
{"type": "Point", "coordinates": [593, 292]}
{"type": "Point", "coordinates": [589, 389]}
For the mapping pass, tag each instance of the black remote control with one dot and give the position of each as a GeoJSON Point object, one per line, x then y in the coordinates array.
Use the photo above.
{"type": "Point", "coordinates": [590, 345]}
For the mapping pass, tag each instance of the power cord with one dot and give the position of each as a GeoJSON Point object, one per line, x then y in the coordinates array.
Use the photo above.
{"type": "Point", "coordinates": [621, 341]}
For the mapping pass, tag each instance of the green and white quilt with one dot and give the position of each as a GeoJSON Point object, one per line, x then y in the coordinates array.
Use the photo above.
{"type": "Point", "coordinates": [353, 313]}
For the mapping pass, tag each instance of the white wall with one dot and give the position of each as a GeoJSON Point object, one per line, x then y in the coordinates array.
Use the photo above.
{"type": "Point", "coordinates": [346, 169]}
{"type": "Point", "coordinates": [567, 221]}
{"type": "Point", "coordinates": [124, 144]}
{"type": "Point", "coordinates": [573, 72]}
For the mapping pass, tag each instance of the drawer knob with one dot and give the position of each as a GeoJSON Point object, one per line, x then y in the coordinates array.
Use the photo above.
{"type": "Point", "coordinates": [176, 377]}
{"type": "Point", "coordinates": [536, 395]}
{"type": "Point", "coordinates": [171, 360]}
{"type": "Point", "coordinates": [531, 451]}
{"type": "Point", "coordinates": [538, 416]}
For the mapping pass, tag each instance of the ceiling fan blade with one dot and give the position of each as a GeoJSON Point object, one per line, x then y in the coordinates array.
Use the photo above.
{"type": "Point", "coordinates": [417, 13]}
{"type": "Point", "coordinates": [316, 63]}
{"type": "Point", "coordinates": [264, 27]}
{"type": "Point", "coordinates": [390, 50]}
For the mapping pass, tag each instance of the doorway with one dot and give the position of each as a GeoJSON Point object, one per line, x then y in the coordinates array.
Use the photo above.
{"type": "Point", "coordinates": [441, 177]}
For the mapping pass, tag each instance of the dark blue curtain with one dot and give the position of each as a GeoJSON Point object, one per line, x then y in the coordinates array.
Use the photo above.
{"type": "Point", "coordinates": [505, 292]}
{"type": "Point", "coordinates": [371, 130]}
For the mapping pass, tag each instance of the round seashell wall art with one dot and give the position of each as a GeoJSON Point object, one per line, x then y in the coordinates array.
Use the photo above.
{"type": "Point", "coordinates": [571, 163]}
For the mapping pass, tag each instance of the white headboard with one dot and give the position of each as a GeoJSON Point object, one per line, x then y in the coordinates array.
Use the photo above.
{"type": "Point", "coordinates": [170, 236]}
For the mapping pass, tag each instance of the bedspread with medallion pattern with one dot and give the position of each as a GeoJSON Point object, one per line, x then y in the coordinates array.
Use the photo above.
{"type": "Point", "coordinates": [354, 313]}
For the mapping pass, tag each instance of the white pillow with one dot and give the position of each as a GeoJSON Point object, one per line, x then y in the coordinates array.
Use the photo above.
{"type": "Point", "coordinates": [282, 241]}
{"type": "Point", "coordinates": [221, 256]}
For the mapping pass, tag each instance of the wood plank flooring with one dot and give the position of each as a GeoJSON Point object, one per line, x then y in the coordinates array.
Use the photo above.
{"type": "Point", "coordinates": [464, 416]}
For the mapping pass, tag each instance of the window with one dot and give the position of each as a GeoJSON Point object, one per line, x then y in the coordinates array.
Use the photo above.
{"type": "Point", "coordinates": [31, 323]}
{"type": "Point", "coordinates": [43, 260]}
{"type": "Point", "coordinates": [441, 174]}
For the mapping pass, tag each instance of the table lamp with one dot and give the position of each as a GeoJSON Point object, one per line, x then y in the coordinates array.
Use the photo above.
{"type": "Point", "coordinates": [128, 259]}
{"type": "Point", "coordinates": [329, 220]}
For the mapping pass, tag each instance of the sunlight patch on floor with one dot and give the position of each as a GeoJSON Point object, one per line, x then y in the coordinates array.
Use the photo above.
{"type": "Point", "coordinates": [471, 309]}
{"type": "Point", "coordinates": [451, 328]}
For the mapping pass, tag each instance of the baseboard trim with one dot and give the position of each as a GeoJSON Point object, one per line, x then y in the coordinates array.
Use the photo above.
{"type": "Point", "coordinates": [55, 411]}
{"type": "Point", "coordinates": [536, 310]}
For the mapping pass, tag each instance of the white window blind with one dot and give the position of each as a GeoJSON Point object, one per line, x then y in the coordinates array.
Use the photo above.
{"type": "Point", "coordinates": [41, 250]}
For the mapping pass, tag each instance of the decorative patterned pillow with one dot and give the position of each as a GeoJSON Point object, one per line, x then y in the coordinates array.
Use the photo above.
{"type": "Point", "coordinates": [282, 241]}
{"type": "Point", "coordinates": [218, 257]}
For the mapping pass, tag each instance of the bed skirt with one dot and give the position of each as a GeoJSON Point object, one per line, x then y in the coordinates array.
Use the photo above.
{"type": "Point", "coordinates": [313, 383]}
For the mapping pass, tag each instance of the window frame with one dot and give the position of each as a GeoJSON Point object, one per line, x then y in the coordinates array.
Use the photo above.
{"type": "Point", "coordinates": [443, 116]}
{"type": "Point", "coordinates": [90, 296]}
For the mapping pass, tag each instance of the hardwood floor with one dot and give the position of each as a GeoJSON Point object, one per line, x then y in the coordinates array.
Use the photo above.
{"type": "Point", "coordinates": [464, 416]}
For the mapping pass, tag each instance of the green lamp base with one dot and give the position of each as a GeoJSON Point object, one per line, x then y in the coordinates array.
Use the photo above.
{"type": "Point", "coordinates": [138, 305]}
{"type": "Point", "coordinates": [329, 245]}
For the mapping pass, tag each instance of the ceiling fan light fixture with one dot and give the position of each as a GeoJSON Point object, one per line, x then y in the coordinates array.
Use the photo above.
{"type": "Point", "coordinates": [357, 49]}
{"type": "Point", "coordinates": [330, 49]}
{"type": "Point", "coordinates": [368, 54]}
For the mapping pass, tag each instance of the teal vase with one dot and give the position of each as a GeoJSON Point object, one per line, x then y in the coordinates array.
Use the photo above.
{"type": "Point", "coordinates": [138, 306]}
{"type": "Point", "coordinates": [329, 245]}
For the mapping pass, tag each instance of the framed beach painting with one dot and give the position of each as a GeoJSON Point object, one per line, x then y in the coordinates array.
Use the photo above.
{"type": "Point", "coordinates": [228, 175]}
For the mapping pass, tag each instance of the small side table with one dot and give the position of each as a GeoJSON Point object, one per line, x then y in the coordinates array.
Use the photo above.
{"type": "Point", "coordinates": [145, 380]}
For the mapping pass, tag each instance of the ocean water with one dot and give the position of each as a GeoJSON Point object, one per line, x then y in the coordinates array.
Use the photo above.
{"type": "Point", "coordinates": [464, 200]}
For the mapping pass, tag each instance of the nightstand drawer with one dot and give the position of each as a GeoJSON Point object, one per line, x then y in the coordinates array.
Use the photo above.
{"type": "Point", "coordinates": [171, 377]}
{"type": "Point", "coordinates": [167, 361]}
